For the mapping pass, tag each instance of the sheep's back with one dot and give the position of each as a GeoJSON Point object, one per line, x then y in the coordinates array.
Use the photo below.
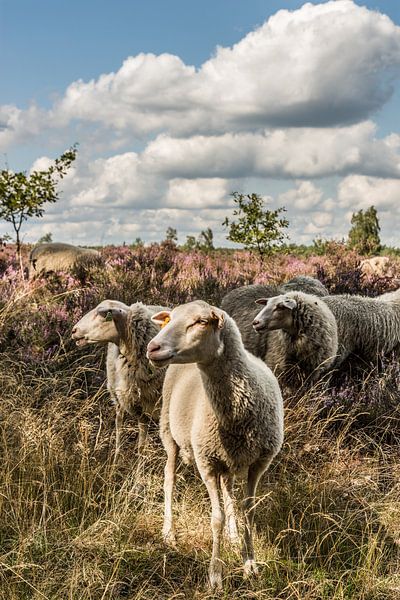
{"type": "Point", "coordinates": [61, 257]}
{"type": "Point", "coordinates": [305, 284]}
{"type": "Point", "coordinates": [240, 304]}
{"type": "Point", "coordinates": [366, 326]}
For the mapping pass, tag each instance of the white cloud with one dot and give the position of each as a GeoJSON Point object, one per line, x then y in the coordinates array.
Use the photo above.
{"type": "Point", "coordinates": [303, 68]}
{"type": "Point", "coordinates": [357, 192]}
{"type": "Point", "coordinates": [304, 196]}
{"type": "Point", "coordinates": [197, 193]}
{"type": "Point", "coordinates": [109, 200]}
{"type": "Point", "coordinates": [117, 182]}
{"type": "Point", "coordinates": [295, 152]}
{"type": "Point", "coordinates": [18, 125]}
{"type": "Point", "coordinates": [300, 68]}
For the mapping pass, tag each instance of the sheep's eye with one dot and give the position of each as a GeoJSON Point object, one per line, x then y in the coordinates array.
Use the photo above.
{"type": "Point", "coordinates": [199, 322]}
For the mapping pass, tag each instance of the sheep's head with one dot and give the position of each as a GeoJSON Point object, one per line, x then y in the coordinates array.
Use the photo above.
{"type": "Point", "coordinates": [276, 314]}
{"type": "Point", "coordinates": [189, 333]}
{"type": "Point", "coordinates": [102, 324]}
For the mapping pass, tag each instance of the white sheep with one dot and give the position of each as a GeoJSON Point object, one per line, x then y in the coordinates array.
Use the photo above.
{"type": "Point", "coordinates": [55, 256]}
{"type": "Point", "coordinates": [224, 412]}
{"type": "Point", "coordinates": [302, 339]}
{"type": "Point", "coordinates": [378, 266]}
{"type": "Point", "coordinates": [134, 385]}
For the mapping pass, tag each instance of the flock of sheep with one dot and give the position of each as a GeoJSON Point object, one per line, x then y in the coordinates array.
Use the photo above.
{"type": "Point", "coordinates": [220, 374]}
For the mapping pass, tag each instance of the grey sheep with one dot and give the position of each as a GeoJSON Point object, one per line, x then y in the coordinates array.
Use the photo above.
{"type": "Point", "coordinates": [134, 385]}
{"type": "Point", "coordinates": [55, 256]}
{"type": "Point", "coordinates": [393, 296]}
{"type": "Point", "coordinates": [302, 337]}
{"type": "Point", "coordinates": [367, 327]}
{"type": "Point", "coordinates": [222, 411]}
{"type": "Point", "coordinates": [240, 304]}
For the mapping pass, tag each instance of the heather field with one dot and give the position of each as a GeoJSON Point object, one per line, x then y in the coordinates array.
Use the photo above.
{"type": "Point", "coordinates": [74, 527]}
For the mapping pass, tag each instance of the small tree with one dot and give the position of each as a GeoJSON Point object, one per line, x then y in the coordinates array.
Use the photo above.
{"type": "Point", "coordinates": [364, 233]}
{"type": "Point", "coordinates": [171, 235]}
{"type": "Point", "coordinates": [23, 196]}
{"type": "Point", "coordinates": [137, 243]}
{"type": "Point", "coordinates": [205, 241]}
{"type": "Point", "coordinates": [46, 238]}
{"type": "Point", "coordinates": [258, 229]}
{"type": "Point", "coordinates": [190, 243]}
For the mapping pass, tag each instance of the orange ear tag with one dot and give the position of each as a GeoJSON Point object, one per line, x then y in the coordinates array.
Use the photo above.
{"type": "Point", "coordinates": [165, 322]}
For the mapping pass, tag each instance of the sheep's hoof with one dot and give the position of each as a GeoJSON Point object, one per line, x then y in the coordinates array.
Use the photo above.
{"type": "Point", "coordinates": [250, 568]}
{"type": "Point", "coordinates": [215, 579]}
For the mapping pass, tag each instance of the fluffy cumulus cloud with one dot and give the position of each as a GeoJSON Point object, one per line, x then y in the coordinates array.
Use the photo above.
{"type": "Point", "coordinates": [357, 192]}
{"type": "Point", "coordinates": [311, 214]}
{"type": "Point", "coordinates": [293, 100]}
{"type": "Point", "coordinates": [305, 196]}
{"type": "Point", "coordinates": [300, 68]}
{"type": "Point", "coordinates": [294, 152]}
{"type": "Point", "coordinates": [197, 193]}
{"type": "Point", "coordinates": [18, 126]}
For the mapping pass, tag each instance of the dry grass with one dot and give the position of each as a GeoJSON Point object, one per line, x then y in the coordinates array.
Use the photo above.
{"type": "Point", "coordinates": [72, 527]}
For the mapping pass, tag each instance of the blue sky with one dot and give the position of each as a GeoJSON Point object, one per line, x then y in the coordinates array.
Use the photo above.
{"type": "Point", "coordinates": [161, 144]}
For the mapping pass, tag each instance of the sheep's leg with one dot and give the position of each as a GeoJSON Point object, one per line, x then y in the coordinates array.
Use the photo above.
{"type": "Point", "coordinates": [169, 483]}
{"type": "Point", "coordinates": [254, 475]}
{"type": "Point", "coordinates": [143, 427]}
{"type": "Point", "coordinates": [217, 526]}
{"type": "Point", "coordinates": [119, 418]}
{"type": "Point", "coordinates": [229, 508]}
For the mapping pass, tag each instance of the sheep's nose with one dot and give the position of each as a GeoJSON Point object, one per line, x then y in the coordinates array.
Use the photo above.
{"type": "Point", "coordinates": [153, 346]}
{"type": "Point", "coordinates": [74, 330]}
{"type": "Point", "coordinates": [256, 322]}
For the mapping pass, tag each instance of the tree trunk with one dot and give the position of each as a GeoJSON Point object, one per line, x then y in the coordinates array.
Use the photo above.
{"type": "Point", "coordinates": [19, 255]}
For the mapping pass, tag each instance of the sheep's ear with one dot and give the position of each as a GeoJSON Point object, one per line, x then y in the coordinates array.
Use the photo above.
{"type": "Point", "coordinates": [262, 301]}
{"type": "Point", "coordinates": [218, 319]}
{"type": "Point", "coordinates": [162, 318]}
{"type": "Point", "coordinates": [112, 314]}
{"type": "Point", "coordinates": [289, 303]}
